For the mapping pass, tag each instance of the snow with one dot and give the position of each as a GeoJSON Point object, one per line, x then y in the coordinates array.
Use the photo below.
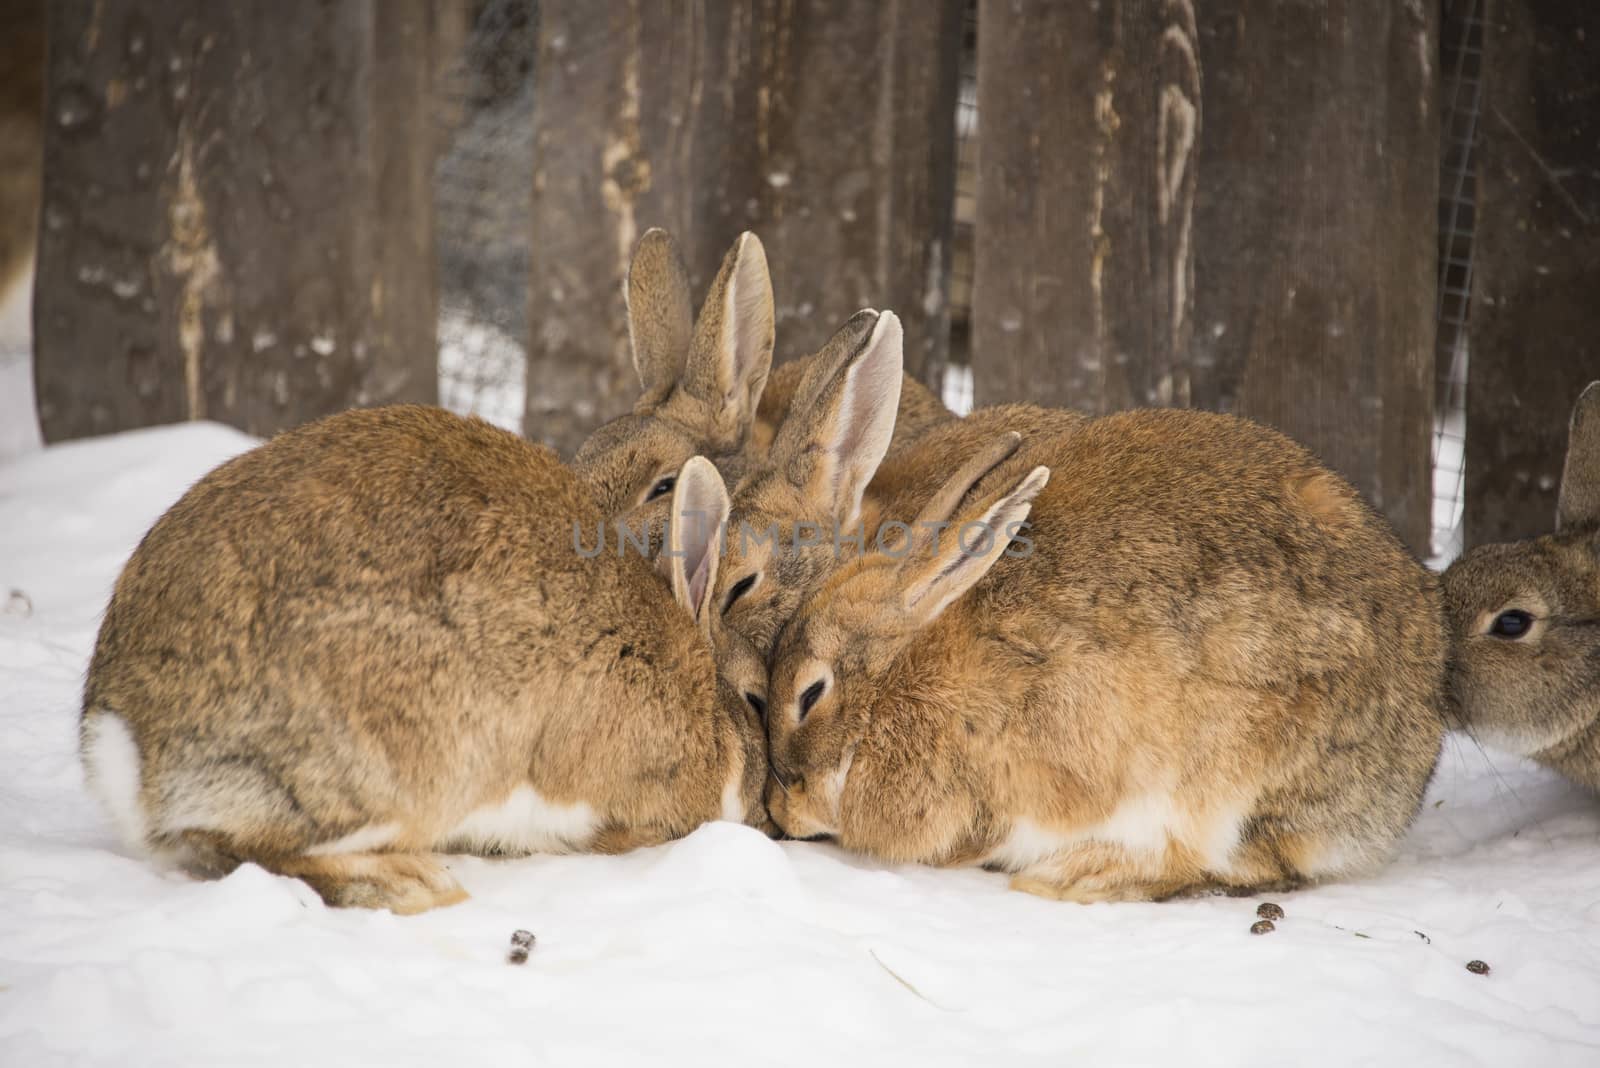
{"type": "Point", "coordinates": [1449, 476]}
{"type": "Point", "coordinates": [726, 946]}
{"type": "Point", "coordinates": [481, 369]}
{"type": "Point", "coordinates": [956, 388]}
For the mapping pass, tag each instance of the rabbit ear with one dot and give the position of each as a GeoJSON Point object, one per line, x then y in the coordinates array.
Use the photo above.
{"type": "Point", "coordinates": [842, 417]}
{"type": "Point", "coordinates": [660, 314]}
{"type": "Point", "coordinates": [1579, 502]}
{"type": "Point", "coordinates": [694, 538]}
{"type": "Point", "coordinates": [940, 568]}
{"type": "Point", "coordinates": [731, 350]}
{"type": "Point", "coordinates": [959, 487]}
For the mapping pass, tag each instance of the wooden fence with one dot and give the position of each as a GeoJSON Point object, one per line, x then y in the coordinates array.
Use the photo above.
{"type": "Point", "coordinates": [1179, 202]}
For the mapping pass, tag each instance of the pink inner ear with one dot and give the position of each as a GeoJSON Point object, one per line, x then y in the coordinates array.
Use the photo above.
{"type": "Point", "coordinates": [697, 582]}
{"type": "Point", "coordinates": [871, 396]}
{"type": "Point", "coordinates": [749, 326]}
{"type": "Point", "coordinates": [696, 561]}
{"type": "Point", "coordinates": [700, 507]}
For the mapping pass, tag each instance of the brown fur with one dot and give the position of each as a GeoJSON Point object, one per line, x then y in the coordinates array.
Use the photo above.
{"type": "Point", "coordinates": [1537, 693]}
{"type": "Point", "coordinates": [909, 477]}
{"type": "Point", "coordinates": [382, 619]}
{"type": "Point", "coordinates": [769, 499]}
{"type": "Point", "coordinates": [706, 387]}
{"type": "Point", "coordinates": [1217, 668]}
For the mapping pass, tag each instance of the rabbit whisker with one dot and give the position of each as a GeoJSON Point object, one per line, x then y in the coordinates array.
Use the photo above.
{"type": "Point", "coordinates": [1499, 778]}
{"type": "Point", "coordinates": [773, 771]}
{"type": "Point", "coordinates": [1538, 825]}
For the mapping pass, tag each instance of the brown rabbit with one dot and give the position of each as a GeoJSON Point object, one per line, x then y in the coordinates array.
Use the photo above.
{"type": "Point", "coordinates": [796, 510]}
{"type": "Point", "coordinates": [1209, 665]}
{"type": "Point", "coordinates": [775, 553]}
{"type": "Point", "coordinates": [705, 380]}
{"type": "Point", "coordinates": [378, 637]}
{"type": "Point", "coordinates": [1525, 625]}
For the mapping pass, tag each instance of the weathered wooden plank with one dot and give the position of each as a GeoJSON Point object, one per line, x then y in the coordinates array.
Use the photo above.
{"type": "Point", "coordinates": [1083, 294]}
{"type": "Point", "coordinates": [1535, 320]}
{"type": "Point", "coordinates": [826, 127]}
{"type": "Point", "coordinates": [237, 222]}
{"type": "Point", "coordinates": [1315, 235]}
{"type": "Point", "coordinates": [1236, 214]}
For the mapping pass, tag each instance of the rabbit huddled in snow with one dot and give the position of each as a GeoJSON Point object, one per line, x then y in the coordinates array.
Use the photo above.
{"type": "Point", "coordinates": [1214, 667]}
{"type": "Point", "coordinates": [707, 390]}
{"type": "Point", "coordinates": [1524, 622]}
{"type": "Point", "coordinates": [1180, 655]}
{"type": "Point", "coordinates": [373, 640]}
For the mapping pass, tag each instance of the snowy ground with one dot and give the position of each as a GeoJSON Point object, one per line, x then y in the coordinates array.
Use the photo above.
{"type": "Point", "coordinates": [726, 946]}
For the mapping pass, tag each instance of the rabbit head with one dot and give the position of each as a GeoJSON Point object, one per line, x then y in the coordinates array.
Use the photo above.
{"type": "Point", "coordinates": [702, 378]}
{"type": "Point", "coordinates": [794, 515]}
{"type": "Point", "coordinates": [1525, 624]}
{"type": "Point", "coordinates": [835, 660]}
{"type": "Point", "coordinates": [692, 555]}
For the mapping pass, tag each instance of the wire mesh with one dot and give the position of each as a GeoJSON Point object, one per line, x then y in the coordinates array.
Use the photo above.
{"type": "Point", "coordinates": [1461, 55]}
{"type": "Point", "coordinates": [482, 208]}
{"type": "Point", "coordinates": [958, 372]}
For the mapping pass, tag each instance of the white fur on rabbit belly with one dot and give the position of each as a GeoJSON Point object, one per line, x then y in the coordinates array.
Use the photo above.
{"type": "Point", "coordinates": [526, 823]}
{"type": "Point", "coordinates": [1142, 825]}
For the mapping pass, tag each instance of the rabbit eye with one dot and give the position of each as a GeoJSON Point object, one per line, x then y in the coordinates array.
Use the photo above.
{"type": "Point", "coordinates": [1511, 624]}
{"type": "Point", "coordinates": [759, 705]}
{"type": "Point", "coordinates": [740, 588]}
{"type": "Point", "coordinates": [812, 695]}
{"type": "Point", "coordinates": [662, 487]}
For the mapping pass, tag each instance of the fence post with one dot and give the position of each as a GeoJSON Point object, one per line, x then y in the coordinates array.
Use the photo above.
{"type": "Point", "coordinates": [1084, 264]}
{"type": "Point", "coordinates": [1316, 235]}
{"type": "Point", "coordinates": [1535, 319]}
{"type": "Point", "coordinates": [237, 220]}
{"type": "Point", "coordinates": [826, 127]}
{"type": "Point", "coordinates": [1236, 214]}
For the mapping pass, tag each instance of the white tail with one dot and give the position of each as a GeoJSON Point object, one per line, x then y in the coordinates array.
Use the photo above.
{"type": "Point", "coordinates": [111, 767]}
